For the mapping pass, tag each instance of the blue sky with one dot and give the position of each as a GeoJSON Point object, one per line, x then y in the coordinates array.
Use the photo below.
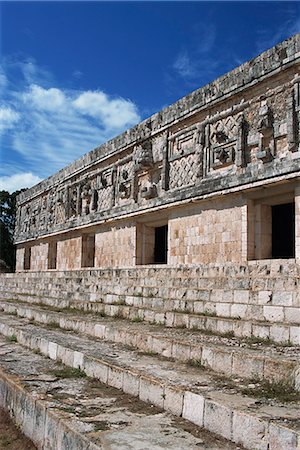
{"type": "Point", "coordinates": [75, 74]}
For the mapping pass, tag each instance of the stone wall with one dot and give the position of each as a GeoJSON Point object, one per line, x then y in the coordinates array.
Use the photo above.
{"type": "Point", "coordinates": [216, 152]}
{"type": "Point", "coordinates": [69, 254]}
{"type": "Point", "coordinates": [211, 231]}
{"type": "Point", "coordinates": [115, 246]}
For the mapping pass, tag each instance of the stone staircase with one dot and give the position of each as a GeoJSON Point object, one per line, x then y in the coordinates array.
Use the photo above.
{"type": "Point", "coordinates": [217, 346]}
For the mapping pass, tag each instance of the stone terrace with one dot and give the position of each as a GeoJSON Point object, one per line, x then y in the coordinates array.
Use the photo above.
{"type": "Point", "coordinates": [217, 345]}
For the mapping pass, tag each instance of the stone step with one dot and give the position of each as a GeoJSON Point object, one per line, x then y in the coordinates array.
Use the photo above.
{"type": "Point", "coordinates": [284, 289]}
{"type": "Point", "coordinates": [193, 393]}
{"type": "Point", "coordinates": [162, 313]}
{"type": "Point", "coordinates": [259, 302]}
{"type": "Point", "coordinates": [229, 356]}
{"type": "Point", "coordinates": [61, 409]}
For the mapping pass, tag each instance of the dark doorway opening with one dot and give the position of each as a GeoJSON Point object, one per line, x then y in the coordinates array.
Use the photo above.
{"type": "Point", "coordinates": [161, 245]}
{"type": "Point", "coordinates": [52, 255]}
{"type": "Point", "coordinates": [88, 250]}
{"type": "Point", "coordinates": [27, 258]}
{"type": "Point", "coordinates": [283, 231]}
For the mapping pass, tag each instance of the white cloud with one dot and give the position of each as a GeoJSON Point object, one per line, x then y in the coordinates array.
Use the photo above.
{"type": "Point", "coordinates": [45, 99]}
{"type": "Point", "coordinates": [199, 59]}
{"type": "Point", "coordinates": [18, 181]}
{"type": "Point", "coordinates": [8, 118]}
{"type": "Point", "coordinates": [113, 113]}
{"type": "Point", "coordinates": [50, 126]}
{"type": "Point", "coordinates": [184, 66]}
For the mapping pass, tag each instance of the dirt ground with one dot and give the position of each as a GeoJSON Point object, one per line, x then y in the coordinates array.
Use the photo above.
{"type": "Point", "coordinates": [10, 436]}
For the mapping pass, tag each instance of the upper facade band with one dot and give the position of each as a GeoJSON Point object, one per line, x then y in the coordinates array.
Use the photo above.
{"type": "Point", "coordinates": [240, 129]}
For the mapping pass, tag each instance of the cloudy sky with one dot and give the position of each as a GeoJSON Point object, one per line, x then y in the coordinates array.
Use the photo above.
{"type": "Point", "coordinates": [75, 74]}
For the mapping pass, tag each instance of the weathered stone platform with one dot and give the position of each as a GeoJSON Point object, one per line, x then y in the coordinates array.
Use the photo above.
{"type": "Point", "coordinates": [139, 330]}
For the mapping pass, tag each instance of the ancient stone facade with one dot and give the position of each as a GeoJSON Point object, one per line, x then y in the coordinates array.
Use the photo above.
{"type": "Point", "coordinates": [212, 178]}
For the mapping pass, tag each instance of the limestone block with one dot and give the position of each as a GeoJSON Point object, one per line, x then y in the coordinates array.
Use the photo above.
{"type": "Point", "coordinates": [193, 408]}
{"type": "Point", "coordinates": [223, 309]}
{"type": "Point", "coordinates": [173, 401]}
{"type": "Point", "coordinates": [261, 331]}
{"type": "Point", "coordinates": [99, 330]}
{"type": "Point", "coordinates": [218, 418]}
{"type": "Point", "coordinates": [264, 297]}
{"type": "Point", "coordinates": [39, 417]}
{"type": "Point", "coordinates": [78, 360]}
{"type": "Point", "coordinates": [52, 350]}
{"type": "Point", "coordinates": [152, 391]}
{"type": "Point", "coordinates": [181, 320]}
{"type": "Point", "coordinates": [181, 351]}
{"type": "Point", "coordinates": [295, 335]}
{"type": "Point", "coordinates": [95, 369]}
{"type": "Point", "coordinates": [292, 315]}
{"type": "Point", "coordinates": [282, 438]}
{"type": "Point", "coordinates": [247, 367]}
{"type": "Point", "coordinates": [170, 317]}
{"type": "Point", "coordinates": [131, 383]}
{"type": "Point", "coordinates": [51, 434]}
{"type": "Point", "coordinates": [44, 346]}
{"type": "Point", "coordinates": [279, 333]}
{"type": "Point", "coordinates": [241, 296]}
{"type": "Point", "coordinates": [249, 431]}
{"type": "Point", "coordinates": [239, 310]}
{"type": "Point", "coordinates": [273, 313]}
{"type": "Point", "coordinates": [115, 377]}
{"type": "Point", "coordinates": [282, 298]}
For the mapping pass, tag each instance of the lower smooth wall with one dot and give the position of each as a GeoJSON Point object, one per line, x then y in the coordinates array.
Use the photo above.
{"type": "Point", "coordinates": [116, 246]}
{"type": "Point", "coordinates": [69, 254]}
{"type": "Point", "coordinates": [212, 231]}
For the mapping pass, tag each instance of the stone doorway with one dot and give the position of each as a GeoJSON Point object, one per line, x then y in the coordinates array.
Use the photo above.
{"type": "Point", "coordinates": [161, 245]}
{"type": "Point", "coordinates": [283, 231]}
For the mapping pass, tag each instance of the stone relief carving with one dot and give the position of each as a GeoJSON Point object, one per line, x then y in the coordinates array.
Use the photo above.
{"type": "Point", "coordinates": [185, 157]}
{"type": "Point", "coordinates": [293, 116]}
{"type": "Point", "coordinates": [266, 145]}
{"type": "Point", "coordinates": [223, 137]}
{"type": "Point", "coordinates": [169, 161]}
{"type": "Point", "coordinates": [143, 157]}
{"type": "Point", "coordinates": [86, 197]}
{"type": "Point", "coordinates": [105, 189]}
{"type": "Point", "coordinates": [125, 180]}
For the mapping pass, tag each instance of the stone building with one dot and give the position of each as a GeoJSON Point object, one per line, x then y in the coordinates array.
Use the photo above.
{"type": "Point", "coordinates": [213, 178]}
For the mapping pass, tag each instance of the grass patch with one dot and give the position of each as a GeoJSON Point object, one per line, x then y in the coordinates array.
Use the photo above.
{"type": "Point", "coordinates": [258, 340]}
{"type": "Point", "coordinates": [282, 391]}
{"type": "Point", "coordinates": [52, 325]}
{"type": "Point", "coordinates": [228, 334]}
{"type": "Point", "coordinates": [68, 372]}
{"type": "Point", "coordinates": [37, 351]}
{"type": "Point", "coordinates": [195, 363]}
{"type": "Point", "coordinates": [12, 338]}
{"type": "Point", "coordinates": [137, 320]}
{"type": "Point", "coordinates": [207, 313]}
{"type": "Point", "coordinates": [149, 353]}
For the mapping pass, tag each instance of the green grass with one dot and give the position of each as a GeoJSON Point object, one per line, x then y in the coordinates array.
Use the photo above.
{"type": "Point", "coordinates": [137, 320]}
{"type": "Point", "coordinates": [282, 391]}
{"type": "Point", "coordinates": [207, 313]}
{"type": "Point", "coordinates": [195, 363]}
{"type": "Point", "coordinates": [52, 325]}
{"type": "Point", "coordinates": [12, 338]}
{"type": "Point", "coordinates": [68, 372]}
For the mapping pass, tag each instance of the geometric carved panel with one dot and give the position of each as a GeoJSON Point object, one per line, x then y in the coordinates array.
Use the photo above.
{"type": "Point", "coordinates": [183, 171]}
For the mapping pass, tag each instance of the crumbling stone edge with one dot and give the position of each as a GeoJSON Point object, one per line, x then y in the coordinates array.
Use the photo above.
{"type": "Point", "coordinates": [236, 425]}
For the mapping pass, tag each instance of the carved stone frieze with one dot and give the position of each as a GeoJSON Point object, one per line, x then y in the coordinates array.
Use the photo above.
{"type": "Point", "coordinates": [266, 145]}
{"type": "Point", "coordinates": [185, 156]}
{"type": "Point", "coordinates": [125, 181]}
{"type": "Point", "coordinates": [143, 157]}
{"type": "Point", "coordinates": [223, 136]}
